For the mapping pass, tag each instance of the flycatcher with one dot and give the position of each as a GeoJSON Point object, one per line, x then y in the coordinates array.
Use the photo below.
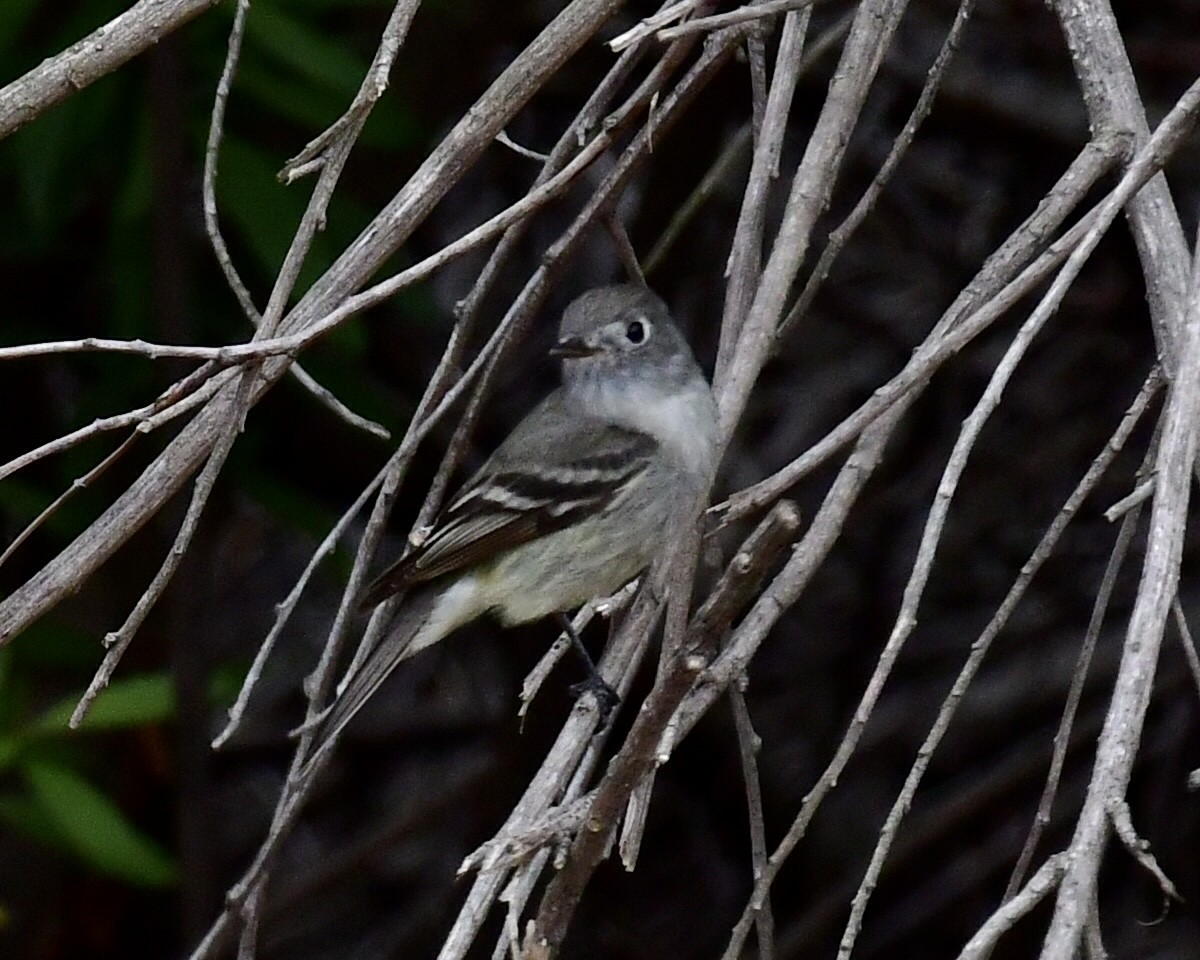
{"type": "Point", "coordinates": [574, 503]}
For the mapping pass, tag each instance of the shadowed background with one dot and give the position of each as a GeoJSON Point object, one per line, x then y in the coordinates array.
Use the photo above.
{"type": "Point", "coordinates": [120, 841]}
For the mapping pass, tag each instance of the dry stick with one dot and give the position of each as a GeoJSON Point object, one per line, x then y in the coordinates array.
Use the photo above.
{"type": "Point", "coordinates": [669, 14]}
{"type": "Point", "coordinates": [571, 754]}
{"type": "Point", "coordinates": [1093, 940]}
{"type": "Point", "coordinates": [212, 223]}
{"type": "Point", "coordinates": [1185, 640]}
{"type": "Point", "coordinates": [625, 251]}
{"type": "Point", "coordinates": [745, 256]}
{"type": "Point", "coordinates": [216, 130]}
{"type": "Point", "coordinates": [744, 14]}
{"type": "Point", "coordinates": [874, 23]}
{"type": "Point", "coordinates": [1062, 736]}
{"type": "Point", "coordinates": [80, 483]}
{"type": "Point", "coordinates": [1122, 820]}
{"type": "Point", "coordinates": [1147, 162]}
{"type": "Point", "coordinates": [100, 52]}
{"type": "Point", "coordinates": [1139, 495]}
{"type": "Point", "coordinates": [749, 744]}
{"type": "Point", "coordinates": [906, 618]}
{"type": "Point", "coordinates": [731, 155]}
{"type": "Point", "coordinates": [1040, 885]}
{"type": "Point", "coordinates": [811, 188]}
{"type": "Point", "coordinates": [448, 162]}
{"type": "Point", "coordinates": [1000, 267]}
{"type": "Point", "coordinates": [742, 578]}
{"type": "Point", "coordinates": [179, 398]}
{"type": "Point", "coordinates": [756, 54]}
{"type": "Point", "coordinates": [1110, 93]}
{"type": "Point", "coordinates": [510, 850]}
{"type": "Point", "coordinates": [118, 641]}
{"type": "Point", "coordinates": [846, 229]}
{"type": "Point", "coordinates": [308, 761]}
{"type": "Point", "coordinates": [374, 85]}
{"type": "Point", "coordinates": [284, 610]}
{"type": "Point", "coordinates": [569, 143]}
{"type": "Point", "coordinates": [1131, 693]}
{"type": "Point", "coordinates": [772, 108]}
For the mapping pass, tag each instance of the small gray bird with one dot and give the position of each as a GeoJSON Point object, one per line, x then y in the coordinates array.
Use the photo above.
{"type": "Point", "coordinates": [574, 503]}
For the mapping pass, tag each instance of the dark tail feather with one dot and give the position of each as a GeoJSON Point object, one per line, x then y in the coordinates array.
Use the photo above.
{"type": "Point", "coordinates": [376, 667]}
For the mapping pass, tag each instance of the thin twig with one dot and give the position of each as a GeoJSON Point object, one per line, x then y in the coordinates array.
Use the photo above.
{"type": "Point", "coordinates": [841, 235]}
{"type": "Point", "coordinates": [1005, 918]}
{"type": "Point", "coordinates": [1131, 693]}
{"type": "Point", "coordinates": [1122, 820]}
{"type": "Point", "coordinates": [1185, 640]}
{"type": "Point", "coordinates": [106, 48]}
{"type": "Point", "coordinates": [285, 609]}
{"type": "Point", "coordinates": [1080, 240]}
{"type": "Point", "coordinates": [1062, 736]}
{"type": "Point", "coordinates": [1139, 495]}
{"type": "Point", "coordinates": [80, 483]}
{"type": "Point", "coordinates": [118, 641]}
{"type": "Point", "coordinates": [745, 254]}
{"type": "Point", "coordinates": [732, 154]}
{"type": "Point", "coordinates": [1003, 265]}
{"type": "Point", "coordinates": [749, 745]}
{"type": "Point", "coordinates": [905, 620]}
{"type": "Point", "coordinates": [743, 14]}
{"type": "Point", "coordinates": [648, 26]}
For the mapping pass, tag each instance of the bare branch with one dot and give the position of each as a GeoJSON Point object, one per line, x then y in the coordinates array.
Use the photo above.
{"type": "Point", "coordinates": [1131, 694]}
{"type": "Point", "coordinates": [99, 53]}
{"type": "Point", "coordinates": [441, 170]}
{"type": "Point", "coordinates": [1040, 885]}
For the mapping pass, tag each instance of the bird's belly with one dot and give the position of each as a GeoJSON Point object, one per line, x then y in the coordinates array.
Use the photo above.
{"type": "Point", "coordinates": [561, 571]}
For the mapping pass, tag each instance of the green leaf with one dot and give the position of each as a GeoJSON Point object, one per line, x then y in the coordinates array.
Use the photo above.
{"type": "Point", "coordinates": [320, 57]}
{"type": "Point", "coordinates": [94, 828]}
{"type": "Point", "coordinates": [136, 701]}
{"type": "Point", "coordinates": [25, 815]}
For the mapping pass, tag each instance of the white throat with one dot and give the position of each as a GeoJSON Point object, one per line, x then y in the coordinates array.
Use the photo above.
{"type": "Point", "coordinates": [683, 419]}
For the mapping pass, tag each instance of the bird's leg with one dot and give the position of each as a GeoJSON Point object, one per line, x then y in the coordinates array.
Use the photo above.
{"type": "Point", "coordinates": [606, 697]}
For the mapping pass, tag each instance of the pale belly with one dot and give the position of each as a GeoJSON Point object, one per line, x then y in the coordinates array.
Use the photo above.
{"type": "Point", "coordinates": [563, 570]}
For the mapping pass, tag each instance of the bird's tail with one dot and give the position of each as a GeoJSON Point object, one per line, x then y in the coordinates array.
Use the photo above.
{"type": "Point", "coordinates": [399, 642]}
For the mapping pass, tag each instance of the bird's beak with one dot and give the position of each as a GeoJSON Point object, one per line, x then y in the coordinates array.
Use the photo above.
{"type": "Point", "coordinates": [572, 347]}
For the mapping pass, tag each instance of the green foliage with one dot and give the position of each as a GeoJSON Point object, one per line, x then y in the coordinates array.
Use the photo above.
{"type": "Point", "coordinates": [93, 827]}
{"type": "Point", "coordinates": [135, 701]}
{"type": "Point", "coordinates": [79, 191]}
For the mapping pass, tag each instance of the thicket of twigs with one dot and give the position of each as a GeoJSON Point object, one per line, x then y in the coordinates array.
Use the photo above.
{"type": "Point", "coordinates": [921, 686]}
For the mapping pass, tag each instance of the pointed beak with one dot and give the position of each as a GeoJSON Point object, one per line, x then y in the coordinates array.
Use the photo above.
{"type": "Point", "coordinates": [572, 347]}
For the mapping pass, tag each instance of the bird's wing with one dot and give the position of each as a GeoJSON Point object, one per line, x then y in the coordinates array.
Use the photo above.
{"type": "Point", "coordinates": [549, 473]}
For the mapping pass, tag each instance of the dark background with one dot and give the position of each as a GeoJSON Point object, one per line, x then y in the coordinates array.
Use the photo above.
{"type": "Point", "coordinates": [120, 841]}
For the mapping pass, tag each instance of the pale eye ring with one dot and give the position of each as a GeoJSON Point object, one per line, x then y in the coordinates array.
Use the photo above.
{"type": "Point", "coordinates": [637, 331]}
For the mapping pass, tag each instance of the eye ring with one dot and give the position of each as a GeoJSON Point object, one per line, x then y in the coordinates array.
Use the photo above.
{"type": "Point", "coordinates": [637, 332]}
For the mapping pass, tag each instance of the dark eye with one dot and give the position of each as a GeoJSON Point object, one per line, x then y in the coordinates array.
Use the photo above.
{"type": "Point", "coordinates": [636, 332]}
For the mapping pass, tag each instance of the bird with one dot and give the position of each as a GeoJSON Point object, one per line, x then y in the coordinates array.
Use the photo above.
{"type": "Point", "coordinates": [573, 504]}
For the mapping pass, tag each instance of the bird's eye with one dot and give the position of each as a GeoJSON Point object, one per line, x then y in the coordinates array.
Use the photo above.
{"type": "Point", "coordinates": [635, 333]}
